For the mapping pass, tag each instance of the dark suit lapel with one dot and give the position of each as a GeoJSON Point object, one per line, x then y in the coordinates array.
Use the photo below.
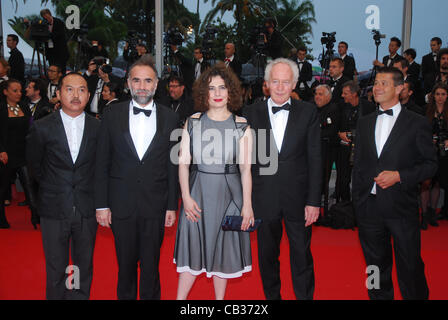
{"type": "Point", "coordinates": [60, 132]}
{"type": "Point", "coordinates": [85, 137]}
{"type": "Point", "coordinates": [371, 124]}
{"type": "Point", "coordinates": [160, 121]}
{"type": "Point", "coordinates": [397, 131]}
{"type": "Point", "coordinates": [293, 120]}
{"type": "Point", "coordinates": [124, 119]}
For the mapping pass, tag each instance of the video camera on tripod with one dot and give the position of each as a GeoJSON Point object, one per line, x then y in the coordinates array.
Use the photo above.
{"type": "Point", "coordinates": [328, 40]}
{"type": "Point", "coordinates": [257, 38]}
{"type": "Point", "coordinates": [377, 36]}
{"type": "Point", "coordinates": [208, 42]}
{"type": "Point", "coordinates": [39, 31]}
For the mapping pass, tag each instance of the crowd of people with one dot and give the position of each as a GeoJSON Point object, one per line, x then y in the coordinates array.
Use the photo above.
{"type": "Point", "coordinates": [94, 148]}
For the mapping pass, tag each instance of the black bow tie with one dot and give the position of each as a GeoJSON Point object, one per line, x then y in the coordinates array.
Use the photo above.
{"type": "Point", "coordinates": [286, 107]}
{"type": "Point", "coordinates": [138, 110]}
{"type": "Point", "coordinates": [389, 112]}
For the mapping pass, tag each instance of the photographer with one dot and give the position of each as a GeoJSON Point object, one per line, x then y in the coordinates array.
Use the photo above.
{"type": "Point", "coordinates": [349, 62]}
{"type": "Point", "coordinates": [56, 47]}
{"type": "Point", "coordinates": [437, 114]}
{"type": "Point", "coordinates": [388, 61]}
{"type": "Point", "coordinates": [329, 123]}
{"type": "Point", "coordinates": [54, 74]}
{"type": "Point", "coordinates": [98, 73]}
{"type": "Point", "coordinates": [337, 79]}
{"type": "Point", "coordinates": [133, 51]}
{"type": "Point", "coordinates": [272, 39]}
{"type": "Point", "coordinates": [16, 61]}
{"type": "Point", "coordinates": [440, 75]}
{"type": "Point", "coordinates": [97, 50]}
{"type": "Point", "coordinates": [352, 110]}
{"type": "Point", "coordinates": [406, 98]}
{"type": "Point", "coordinates": [305, 75]}
{"type": "Point", "coordinates": [185, 67]}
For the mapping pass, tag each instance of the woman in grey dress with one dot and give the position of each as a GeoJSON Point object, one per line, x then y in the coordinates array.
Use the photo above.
{"type": "Point", "coordinates": [215, 180]}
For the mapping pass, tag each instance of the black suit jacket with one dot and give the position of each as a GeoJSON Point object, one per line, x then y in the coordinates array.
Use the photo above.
{"type": "Point", "coordinates": [395, 59]}
{"type": "Point", "coordinates": [123, 182]}
{"type": "Point", "coordinates": [298, 178]}
{"type": "Point", "coordinates": [236, 66]}
{"type": "Point", "coordinates": [42, 108]}
{"type": "Point", "coordinates": [17, 64]}
{"type": "Point", "coordinates": [183, 108]}
{"type": "Point", "coordinates": [349, 119]}
{"type": "Point", "coordinates": [429, 66]}
{"type": "Point", "coordinates": [92, 83]}
{"type": "Point", "coordinates": [414, 72]}
{"type": "Point", "coordinates": [408, 150]}
{"type": "Point", "coordinates": [329, 117]}
{"type": "Point", "coordinates": [305, 75]}
{"type": "Point", "coordinates": [337, 91]}
{"type": "Point", "coordinates": [62, 183]}
{"type": "Point", "coordinates": [349, 67]}
{"type": "Point", "coordinates": [274, 44]}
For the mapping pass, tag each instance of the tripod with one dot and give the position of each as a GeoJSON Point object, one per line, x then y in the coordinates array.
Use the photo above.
{"type": "Point", "coordinates": [373, 74]}
{"type": "Point", "coordinates": [325, 62]}
{"type": "Point", "coordinates": [39, 49]}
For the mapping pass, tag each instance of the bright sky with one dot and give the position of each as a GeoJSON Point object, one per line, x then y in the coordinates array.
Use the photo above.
{"type": "Point", "coordinates": [346, 17]}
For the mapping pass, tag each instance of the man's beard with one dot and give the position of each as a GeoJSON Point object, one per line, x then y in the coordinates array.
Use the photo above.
{"type": "Point", "coordinates": [142, 99]}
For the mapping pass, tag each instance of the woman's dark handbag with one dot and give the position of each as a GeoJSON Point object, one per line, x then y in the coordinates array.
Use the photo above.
{"type": "Point", "coordinates": [233, 223]}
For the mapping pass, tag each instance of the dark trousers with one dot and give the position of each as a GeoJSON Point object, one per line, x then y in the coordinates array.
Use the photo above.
{"type": "Point", "coordinates": [269, 235]}
{"type": "Point", "coordinates": [138, 240]}
{"type": "Point", "coordinates": [6, 175]}
{"type": "Point", "coordinates": [344, 174]}
{"type": "Point", "coordinates": [76, 234]}
{"type": "Point", "coordinates": [375, 234]}
{"type": "Point", "coordinates": [329, 156]}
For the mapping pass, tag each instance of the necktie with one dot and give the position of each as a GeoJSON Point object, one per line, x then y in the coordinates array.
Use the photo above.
{"type": "Point", "coordinates": [138, 110]}
{"type": "Point", "coordinates": [286, 107]}
{"type": "Point", "coordinates": [227, 60]}
{"type": "Point", "coordinates": [389, 112]}
{"type": "Point", "coordinates": [32, 106]}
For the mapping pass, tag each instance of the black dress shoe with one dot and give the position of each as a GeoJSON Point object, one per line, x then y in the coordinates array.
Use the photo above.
{"type": "Point", "coordinates": [4, 225]}
{"type": "Point", "coordinates": [424, 223]}
{"type": "Point", "coordinates": [22, 204]}
{"type": "Point", "coordinates": [432, 217]}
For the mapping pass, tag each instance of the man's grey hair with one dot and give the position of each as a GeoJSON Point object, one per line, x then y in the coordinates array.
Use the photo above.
{"type": "Point", "coordinates": [326, 87]}
{"type": "Point", "coordinates": [290, 63]}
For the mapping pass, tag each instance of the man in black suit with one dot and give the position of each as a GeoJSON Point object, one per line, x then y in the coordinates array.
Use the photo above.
{"type": "Point", "coordinates": [178, 99]}
{"type": "Point", "coordinates": [56, 48]}
{"type": "Point", "coordinates": [200, 64]}
{"type": "Point", "coordinates": [441, 75]}
{"type": "Point", "coordinates": [16, 61]}
{"type": "Point", "coordinates": [97, 77]}
{"type": "Point", "coordinates": [185, 68]}
{"type": "Point", "coordinates": [54, 75]}
{"type": "Point", "coordinates": [288, 187]}
{"type": "Point", "coordinates": [231, 60]}
{"type": "Point", "coordinates": [329, 117]}
{"type": "Point", "coordinates": [389, 60]}
{"type": "Point", "coordinates": [354, 108]}
{"type": "Point", "coordinates": [431, 61]}
{"type": "Point", "coordinates": [337, 79]}
{"type": "Point", "coordinates": [37, 99]}
{"type": "Point", "coordinates": [272, 39]}
{"type": "Point", "coordinates": [136, 181]}
{"type": "Point", "coordinates": [406, 98]}
{"type": "Point", "coordinates": [349, 62]}
{"type": "Point", "coordinates": [61, 152]}
{"type": "Point", "coordinates": [394, 153]}
{"type": "Point", "coordinates": [305, 75]}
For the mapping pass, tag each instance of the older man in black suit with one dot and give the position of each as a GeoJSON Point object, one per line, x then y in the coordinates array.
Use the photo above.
{"type": "Point", "coordinates": [136, 181]}
{"type": "Point", "coordinates": [394, 153]}
{"type": "Point", "coordinates": [287, 188]}
{"type": "Point", "coordinates": [61, 152]}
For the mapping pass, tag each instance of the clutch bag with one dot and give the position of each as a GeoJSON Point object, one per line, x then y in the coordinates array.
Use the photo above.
{"type": "Point", "coordinates": [233, 223]}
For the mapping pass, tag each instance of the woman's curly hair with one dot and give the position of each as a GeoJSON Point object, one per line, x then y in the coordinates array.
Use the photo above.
{"type": "Point", "coordinates": [201, 88]}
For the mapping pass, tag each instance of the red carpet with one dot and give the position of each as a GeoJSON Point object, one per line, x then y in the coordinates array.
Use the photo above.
{"type": "Point", "coordinates": [339, 265]}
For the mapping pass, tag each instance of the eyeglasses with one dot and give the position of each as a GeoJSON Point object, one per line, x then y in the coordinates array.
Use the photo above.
{"type": "Point", "coordinates": [49, 70]}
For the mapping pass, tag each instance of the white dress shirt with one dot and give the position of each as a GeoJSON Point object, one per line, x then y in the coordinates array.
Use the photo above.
{"type": "Point", "coordinates": [228, 60]}
{"type": "Point", "coordinates": [74, 130]}
{"type": "Point", "coordinates": [383, 128]}
{"type": "Point", "coordinates": [197, 71]}
{"type": "Point", "coordinates": [96, 98]}
{"type": "Point", "coordinates": [278, 122]}
{"type": "Point", "coordinates": [142, 127]}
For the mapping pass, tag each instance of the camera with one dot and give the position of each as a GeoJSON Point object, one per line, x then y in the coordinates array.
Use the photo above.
{"type": "Point", "coordinates": [328, 39]}
{"type": "Point", "coordinates": [209, 41]}
{"type": "Point", "coordinates": [257, 37]}
{"type": "Point", "coordinates": [102, 64]}
{"type": "Point", "coordinates": [39, 30]}
{"type": "Point", "coordinates": [377, 36]}
{"type": "Point", "coordinates": [173, 37]}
